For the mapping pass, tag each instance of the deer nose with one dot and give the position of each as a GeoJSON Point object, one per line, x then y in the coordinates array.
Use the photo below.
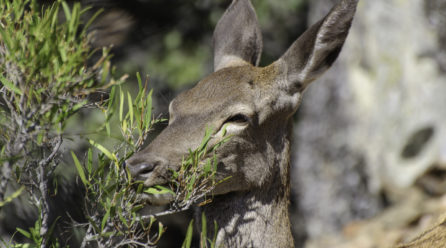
{"type": "Point", "coordinates": [141, 169]}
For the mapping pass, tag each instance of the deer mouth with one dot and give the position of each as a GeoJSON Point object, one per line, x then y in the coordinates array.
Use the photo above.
{"type": "Point", "coordinates": [157, 190]}
{"type": "Point", "coordinates": [156, 199]}
{"type": "Point", "coordinates": [155, 187]}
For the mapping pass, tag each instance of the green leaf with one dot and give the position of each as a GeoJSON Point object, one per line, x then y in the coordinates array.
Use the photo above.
{"type": "Point", "coordinates": [80, 170]}
{"type": "Point", "coordinates": [111, 97]}
{"type": "Point", "coordinates": [53, 14]}
{"type": "Point", "coordinates": [87, 25]}
{"type": "Point", "coordinates": [136, 209]}
{"type": "Point", "coordinates": [121, 104]}
{"type": "Point", "coordinates": [7, 39]}
{"type": "Point", "coordinates": [188, 240]}
{"type": "Point", "coordinates": [140, 188]}
{"type": "Point", "coordinates": [66, 10]}
{"type": "Point", "coordinates": [207, 137]}
{"type": "Point", "coordinates": [191, 183]}
{"type": "Point", "coordinates": [160, 228]}
{"type": "Point", "coordinates": [203, 229]}
{"type": "Point", "coordinates": [105, 219]}
{"type": "Point", "coordinates": [78, 105]}
{"type": "Point", "coordinates": [24, 232]}
{"type": "Point", "coordinates": [105, 71]}
{"type": "Point", "coordinates": [11, 197]}
{"type": "Point", "coordinates": [89, 161]}
{"type": "Point", "coordinates": [148, 114]}
{"type": "Point", "coordinates": [74, 22]}
{"type": "Point", "coordinates": [121, 217]}
{"type": "Point", "coordinates": [93, 224]}
{"type": "Point", "coordinates": [130, 103]}
{"type": "Point", "coordinates": [107, 128]}
{"type": "Point", "coordinates": [104, 150]}
{"type": "Point", "coordinates": [207, 167]}
{"type": "Point", "coordinates": [138, 77]}
{"type": "Point", "coordinates": [152, 220]}
{"type": "Point", "coordinates": [159, 190]}
{"type": "Point", "coordinates": [10, 86]}
{"type": "Point", "coordinates": [50, 231]}
{"type": "Point", "coordinates": [214, 240]}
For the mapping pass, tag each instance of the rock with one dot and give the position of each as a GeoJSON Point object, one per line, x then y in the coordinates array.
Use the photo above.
{"type": "Point", "coordinates": [373, 128]}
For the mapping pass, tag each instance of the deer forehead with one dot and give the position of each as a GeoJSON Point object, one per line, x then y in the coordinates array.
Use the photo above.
{"type": "Point", "coordinates": [225, 91]}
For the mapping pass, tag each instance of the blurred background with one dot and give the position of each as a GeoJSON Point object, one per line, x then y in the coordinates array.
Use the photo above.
{"type": "Point", "coordinates": [369, 151]}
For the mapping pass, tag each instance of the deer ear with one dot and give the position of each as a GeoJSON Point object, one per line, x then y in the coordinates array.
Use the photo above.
{"type": "Point", "coordinates": [237, 37]}
{"type": "Point", "coordinates": [316, 49]}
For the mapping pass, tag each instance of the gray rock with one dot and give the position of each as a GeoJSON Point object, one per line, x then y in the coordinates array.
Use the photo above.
{"type": "Point", "coordinates": [376, 122]}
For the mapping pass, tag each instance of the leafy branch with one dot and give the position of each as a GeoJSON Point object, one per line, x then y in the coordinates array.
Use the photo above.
{"type": "Point", "coordinates": [194, 182]}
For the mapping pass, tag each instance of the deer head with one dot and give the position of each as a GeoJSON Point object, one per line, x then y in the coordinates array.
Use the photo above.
{"type": "Point", "coordinates": [253, 103]}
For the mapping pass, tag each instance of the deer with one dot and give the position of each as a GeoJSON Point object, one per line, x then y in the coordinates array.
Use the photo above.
{"type": "Point", "coordinates": [255, 106]}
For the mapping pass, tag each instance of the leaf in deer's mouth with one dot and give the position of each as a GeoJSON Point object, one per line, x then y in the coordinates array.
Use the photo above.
{"type": "Point", "coordinates": [158, 189]}
{"type": "Point", "coordinates": [158, 195]}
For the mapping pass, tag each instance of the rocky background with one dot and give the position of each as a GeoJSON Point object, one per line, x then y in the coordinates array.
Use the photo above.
{"type": "Point", "coordinates": [370, 148]}
{"type": "Point", "coordinates": [369, 152]}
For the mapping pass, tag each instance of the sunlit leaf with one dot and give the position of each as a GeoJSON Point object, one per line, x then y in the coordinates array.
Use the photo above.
{"type": "Point", "coordinates": [11, 197]}
{"type": "Point", "coordinates": [206, 138]}
{"type": "Point", "coordinates": [121, 105]}
{"type": "Point", "coordinates": [66, 10]}
{"type": "Point", "coordinates": [10, 86]}
{"type": "Point", "coordinates": [80, 170]}
{"type": "Point", "coordinates": [130, 105]}
{"type": "Point", "coordinates": [104, 150]}
{"type": "Point", "coordinates": [105, 219]}
{"type": "Point", "coordinates": [156, 190]}
{"type": "Point", "coordinates": [188, 240]}
{"type": "Point", "coordinates": [24, 232]}
{"type": "Point", "coordinates": [89, 161]}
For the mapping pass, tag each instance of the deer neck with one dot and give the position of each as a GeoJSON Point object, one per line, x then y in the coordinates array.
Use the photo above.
{"type": "Point", "coordinates": [258, 217]}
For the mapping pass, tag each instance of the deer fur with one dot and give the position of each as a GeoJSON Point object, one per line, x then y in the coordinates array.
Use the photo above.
{"type": "Point", "coordinates": [255, 104]}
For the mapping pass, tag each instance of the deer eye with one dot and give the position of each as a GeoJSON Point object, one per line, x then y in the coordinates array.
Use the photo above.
{"type": "Point", "coordinates": [238, 118]}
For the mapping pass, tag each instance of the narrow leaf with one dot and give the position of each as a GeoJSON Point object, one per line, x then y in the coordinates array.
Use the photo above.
{"type": "Point", "coordinates": [148, 114]}
{"type": "Point", "coordinates": [138, 77]}
{"type": "Point", "coordinates": [80, 170]}
{"type": "Point", "coordinates": [159, 190]}
{"type": "Point", "coordinates": [10, 86]}
{"type": "Point", "coordinates": [121, 217]}
{"type": "Point", "coordinates": [111, 97]}
{"type": "Point", "coordinates": [207, 137]}
{"type": "Point", "coordinates": [130, 103]}
{"type": "Point", "coordinates": [66, 10]}
{"type": "Point", "coordinates": [105, 219]}
{"type": "Point", "coordinates": [24, 232]}
{"type": "Point", "coordinates": [87, 25]}
{"type": "Point", "coordinates": [188, 240]}
{"type": "Point", "coordinates": [104, 150]}
{"type": "Point", "coordinates": [6, 38]}
{"type": "Point", "coordinates": [89, 161]}
{"type": "Point", "coordinates": [214, 240]}
{"type": "Point", "coordinates": [160, 228]}
{"type": "Point", "coordinates": [121, 104]}
{"type": "Point", "coordinates": [11, 197]}
{"type": "Point", "coordinates": [203, 230]}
